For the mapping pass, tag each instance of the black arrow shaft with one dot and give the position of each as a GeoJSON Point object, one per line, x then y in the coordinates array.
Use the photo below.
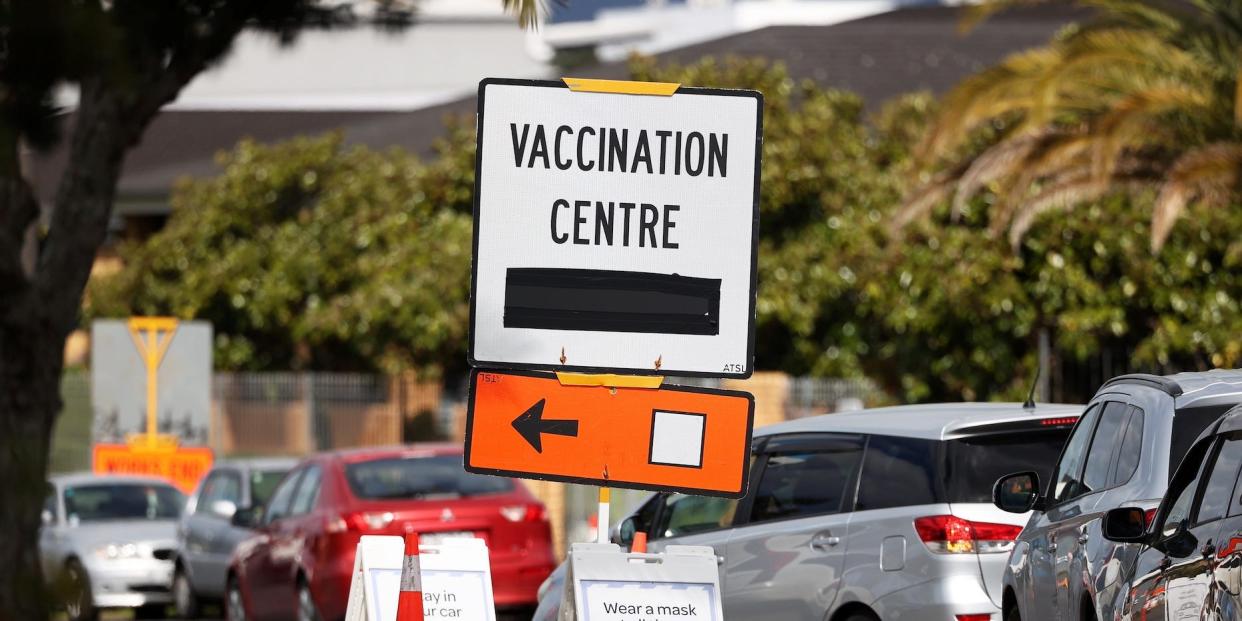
{"type": "Point", "coordinates": [559, 427]}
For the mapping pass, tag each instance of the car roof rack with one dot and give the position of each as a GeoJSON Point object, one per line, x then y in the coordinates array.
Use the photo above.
{"type": "Point", "coordinates": [1159, 382]}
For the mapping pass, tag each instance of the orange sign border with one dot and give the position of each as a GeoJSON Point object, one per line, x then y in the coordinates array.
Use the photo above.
{"type": "Point", "coordinates": [539, 476]}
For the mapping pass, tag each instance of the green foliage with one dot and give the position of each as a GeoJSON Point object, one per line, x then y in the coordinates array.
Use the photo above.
{"type": "Point", "coordinates": [312, 255]}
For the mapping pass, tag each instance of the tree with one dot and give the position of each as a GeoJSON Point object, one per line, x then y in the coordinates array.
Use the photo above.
{"type": "Point", "coordinates": [1143, 98]}
{"type": "Point", "coordinates": [127, 58]}
{"type": "Point", "coordinates": [309, 255]}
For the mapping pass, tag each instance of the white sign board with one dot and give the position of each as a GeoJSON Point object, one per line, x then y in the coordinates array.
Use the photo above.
{"type": "Point", "coordinates": [119, 383]}
{"type": "Point", "coordinates": [606, 584]}
{"type": "Point", "coordinates": [613, 230]}
{"type": "Point", "coordinates": [456, 579]}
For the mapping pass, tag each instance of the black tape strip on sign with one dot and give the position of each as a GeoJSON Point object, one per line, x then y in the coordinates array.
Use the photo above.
{"type": "Point", "coordinates": [611, 301]}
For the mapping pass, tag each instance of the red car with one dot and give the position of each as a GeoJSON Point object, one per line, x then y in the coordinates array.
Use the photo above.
{"type": "Point", "coordinates": [298, 563]}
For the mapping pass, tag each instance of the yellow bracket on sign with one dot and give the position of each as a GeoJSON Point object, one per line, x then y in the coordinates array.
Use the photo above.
{"type": "Point", "coordinates": [609, 380]}
{"type": "Point", "coordinates": [621, 87]}
{"type": "Point", "coordinates": [159, 335]}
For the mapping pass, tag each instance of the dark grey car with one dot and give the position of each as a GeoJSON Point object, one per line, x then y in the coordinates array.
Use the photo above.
{"type": "Point", "coordinates": [206, 535]}
{"type": "Point", "coordinates": [1122, 452]}
{"type": "Point", "coordinates": [1191, 561]}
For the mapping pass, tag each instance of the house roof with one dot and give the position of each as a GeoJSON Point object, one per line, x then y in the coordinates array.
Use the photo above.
{"type": "Point", "coordinates": [878, 57]}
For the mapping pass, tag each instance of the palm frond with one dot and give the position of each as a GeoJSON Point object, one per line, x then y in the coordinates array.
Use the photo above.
{"type": "Point", "coordinates": [1211, 172]}
{"type": "Point", "coordinates": [1135, 120]}
{"type": "Point", "coordinates": [924, 199]}
{"type": "Point", "coordinates": [527, 12]}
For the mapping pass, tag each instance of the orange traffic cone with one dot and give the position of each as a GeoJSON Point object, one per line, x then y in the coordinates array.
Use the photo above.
{"type": "Point", "coordinates": [410, 601]}
{"type": "Point", "coordinates": [640, 543]}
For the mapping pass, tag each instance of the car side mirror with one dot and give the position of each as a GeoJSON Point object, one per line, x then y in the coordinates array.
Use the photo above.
{"type": "Point", "coordinates": [1126, 525]}
{"type": "Point", "coordinates": [224, 508]}
{"type": "Point", "coordinates": [247, 518]}
{"type": "Point", "coordinates": [1017, 493]}
{"type": "Point", "coordinates": [625, 532]}
{"type": "Point", "coordinates": [1180, 544]}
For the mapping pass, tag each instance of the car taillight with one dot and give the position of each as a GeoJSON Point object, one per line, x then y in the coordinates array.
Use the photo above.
{"type": "Point", "coordinates": [1059, 422]}
{"type": "Point", "coordinates": [985, 616]}
{"type": "Point", "coordinates": [524, 513]}
{"type": "Point", "coordinates": [359, 522]}
{"type": "Point", "coordinates": [949, 534]}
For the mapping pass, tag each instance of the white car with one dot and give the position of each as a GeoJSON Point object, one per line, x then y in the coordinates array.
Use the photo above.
{"type": "Point", "coordinates": [868, 515]}
{"type": "Point", "coordinates": [112, 540]}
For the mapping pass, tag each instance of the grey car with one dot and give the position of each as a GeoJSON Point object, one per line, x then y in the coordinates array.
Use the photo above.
{"type": "Point", "coordinates": [111, 540]}
{"type": "Point", "coordinates": [1190, 566]}
{"type": "Point", "coordinates": [207, 536]}
{"type": "Point", "coordinates": [1125, 447]}
{"type": "Point", "coordinates": [876, 514]}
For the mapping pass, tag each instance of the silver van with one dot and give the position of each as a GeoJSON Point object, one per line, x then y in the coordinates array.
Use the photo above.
{"type": "Point", "coordinates": [1125, 447]}
{"type": "Point", "coordinates": [206, 535]}
{"type": "Point", "coordinates": [868, 515]}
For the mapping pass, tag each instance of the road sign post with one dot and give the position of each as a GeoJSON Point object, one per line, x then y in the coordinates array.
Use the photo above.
{"type": "Point", "coordinates": [158, 333]}
{"type": "Point", "coordinates": [616, 228]}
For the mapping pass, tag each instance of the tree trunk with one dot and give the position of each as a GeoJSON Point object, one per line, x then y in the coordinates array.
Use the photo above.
{"type": "Point", "coordinates": [30, 366]}
{"type": "Point", "coordinates": [36, 316]}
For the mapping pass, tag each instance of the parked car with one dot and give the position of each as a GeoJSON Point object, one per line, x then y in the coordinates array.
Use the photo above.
{"type": "Point", "coordinates": [1122, 452]}
{"type": "Point", "coordinates": [875, 514]}
{"type": "Point", "coordinates": [206, 536]}
{"type": "Point", "coordinates": [1190, 563]}
{"type": "Point", "coordinates": [111, 540]}
{"type": "Point", "coordinates": [300, 560]}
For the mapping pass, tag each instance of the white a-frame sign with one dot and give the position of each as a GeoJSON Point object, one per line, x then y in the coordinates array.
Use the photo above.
{"type": "Point", "coordinates": [456, 578]}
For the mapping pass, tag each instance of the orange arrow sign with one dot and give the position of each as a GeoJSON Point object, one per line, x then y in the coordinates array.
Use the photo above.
{"type": "Point", "coordinates": [675, 438]}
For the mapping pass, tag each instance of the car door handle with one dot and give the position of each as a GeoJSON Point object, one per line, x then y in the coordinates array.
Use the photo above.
{"type": "Point", "coordinates": [824, 541]}
{"type": "Point", "coordinates": [1083, 537]}
{"type": "Point", "coordinates": [1208, 549]}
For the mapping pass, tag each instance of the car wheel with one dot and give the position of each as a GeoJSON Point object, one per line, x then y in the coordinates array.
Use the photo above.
{"type": "Point", "coordinates": [151, 611]}
{"type": "Point", "coordinates": [234, 605]}
{"type": "Point", "coordinates": [184, 599]}
{"type": "Point", "coordinates": [1012, 614]}
{"type": "Point", "coordinates": [78, 603]}
{"type": "Point", "coordinates": [306, 604]}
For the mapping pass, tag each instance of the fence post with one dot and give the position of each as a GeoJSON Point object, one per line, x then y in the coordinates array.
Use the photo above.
{"type": "Point", "coordinates": [1045, 366]}
{"type": "Point", "coordinates": [308, 398]}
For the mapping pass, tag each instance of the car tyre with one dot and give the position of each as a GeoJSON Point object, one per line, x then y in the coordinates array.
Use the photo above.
{"type": "Point", "coordinates": [151, 611]}
{"type": "Point", "coordinates": [234, 604]}
{"type": "Point", "coordinates": [307, 611]}
{"type": "Point", "coordinates": [184, 599]}
{"type": "Point", "coordinates": [79, 605]}
{"type": "Point", "coordinates": [1012, 614]}
{"type": "Point", "coordinates": [861, 616]}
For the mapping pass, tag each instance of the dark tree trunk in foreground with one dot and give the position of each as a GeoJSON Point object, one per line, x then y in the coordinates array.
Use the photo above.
{"type": "Point", "coordinates": [39, 310]}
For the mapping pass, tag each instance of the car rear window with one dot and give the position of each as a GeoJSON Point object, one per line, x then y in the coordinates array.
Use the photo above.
{"type": "Point", "coordinates": [123, 501]}
{"type": "Point", "coordinates": [419, 477]}
{"type": "Point", "coordinates": [1188, 423]}
{"type": "Point", "coordinates": [262, 484]}
{"type": "Point", "coordinates": [974, 463]}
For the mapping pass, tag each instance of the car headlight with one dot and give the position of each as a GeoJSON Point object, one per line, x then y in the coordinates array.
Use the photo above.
{"type": "Point", "coordinates": [120, 551]}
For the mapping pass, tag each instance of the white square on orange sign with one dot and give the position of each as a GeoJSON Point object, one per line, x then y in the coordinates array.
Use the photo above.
{"type": "Point", "coordinates": [677, 439]}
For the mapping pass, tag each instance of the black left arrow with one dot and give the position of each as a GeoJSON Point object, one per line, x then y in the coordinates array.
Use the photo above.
{"type": "Point", "coordinates": [531, 426]}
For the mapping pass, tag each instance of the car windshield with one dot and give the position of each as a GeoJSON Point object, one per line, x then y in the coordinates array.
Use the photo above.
{"type": "Point", "coordinates": [975, 463]}
{"type": "Point", "coordinates": [98, 502]}
{"type": "Point", "coordinates": [419, 477]}
{"type": "Point", "coordinates": [262, 484]}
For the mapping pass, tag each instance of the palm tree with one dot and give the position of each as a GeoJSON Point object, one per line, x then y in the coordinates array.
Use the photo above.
{"type": "Point", "coordinates": [1144, 97]}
